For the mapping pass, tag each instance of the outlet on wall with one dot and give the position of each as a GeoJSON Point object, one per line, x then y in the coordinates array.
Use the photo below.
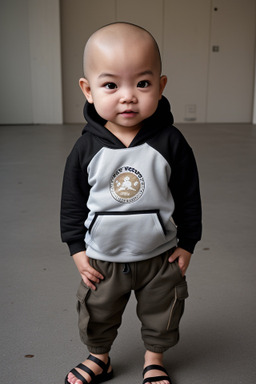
{"type": "Point", "coordinates": [190, 112]}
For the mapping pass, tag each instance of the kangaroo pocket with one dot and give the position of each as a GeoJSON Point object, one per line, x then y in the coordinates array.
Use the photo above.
{"type": "Point", "coordinates": [137, 232]}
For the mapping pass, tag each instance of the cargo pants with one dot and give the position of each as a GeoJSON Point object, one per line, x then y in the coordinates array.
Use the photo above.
{"type": "Point", "coordinates": [160, 290]}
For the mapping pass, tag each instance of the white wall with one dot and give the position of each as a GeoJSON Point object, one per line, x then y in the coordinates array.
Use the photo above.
{"type": "Point", "coordinates": [15, 75]}
{"type": "Point", "coordinates": [231, 68]}
{"type": "Point", "coordinates": [30, 64]}
{"type": "Point", "coordinates": [45, 62]}
{"type": "Point", "coordinates": [254, 99]}
{"type": "Point", "coordinates": [185, 58]}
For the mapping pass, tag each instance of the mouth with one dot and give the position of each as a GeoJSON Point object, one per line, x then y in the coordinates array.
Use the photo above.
{"type": "Point", "coordinates": [128, 113]}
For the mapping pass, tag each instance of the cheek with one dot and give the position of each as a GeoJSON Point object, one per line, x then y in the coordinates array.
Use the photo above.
{"type": "Point", "coordinates": [104, 107]}
{"type": "Point", "coordinates": [150, 105]}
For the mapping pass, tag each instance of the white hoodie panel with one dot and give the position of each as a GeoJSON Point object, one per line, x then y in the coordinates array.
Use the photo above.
{"type": "Point", "coordinates": [130, 205]}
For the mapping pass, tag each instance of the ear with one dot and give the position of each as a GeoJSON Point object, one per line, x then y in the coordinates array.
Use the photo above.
{"type": "Point", "coordinates": [86, 89]}
{"type": "Point", "coordinates": [163, 82]}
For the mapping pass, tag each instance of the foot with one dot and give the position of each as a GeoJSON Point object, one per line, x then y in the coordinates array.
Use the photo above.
{"type": "Point", "coordinates": [152, 358]}
{"type": "Point", "coordinates": [96, 369]}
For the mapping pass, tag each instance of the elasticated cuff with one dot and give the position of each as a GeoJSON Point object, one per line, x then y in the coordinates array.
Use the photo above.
{"type": "Point", "coordinates": [98, 350]}
{"type": "Point", "coordinates": [160, 349]}
{"type": "Point", "coordinates": [187, 244]}
{"type": "Point", "coordinates": [76, 247]}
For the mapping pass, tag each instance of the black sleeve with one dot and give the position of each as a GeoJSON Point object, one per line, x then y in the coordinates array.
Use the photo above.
{"type": "Point", "coordinates": [184, 185]}
{"type": "Point", "coordinates": [74, 211]}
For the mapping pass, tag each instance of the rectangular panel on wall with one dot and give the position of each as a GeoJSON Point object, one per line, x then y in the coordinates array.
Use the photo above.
{"type": "Point", "coordinates": [186, 41]}
{"type": "Point", "coordinates": [79, 19]}
{"type": "Point", "coordinates": [231, 67]}
{"type": "Point", "coordinates": [15, 79]}
{"type": "Point", "coordinates": [146, 13]}
{"type": "Point", "coordinates": [45, 61]}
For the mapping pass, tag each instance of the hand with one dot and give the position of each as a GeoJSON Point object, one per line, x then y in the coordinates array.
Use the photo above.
{"type": "Point", "coordinates": [89, 274]}
{"type": "Point", "coordinates": [183, 257]}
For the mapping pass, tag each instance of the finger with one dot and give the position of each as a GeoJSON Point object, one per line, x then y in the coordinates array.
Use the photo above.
{"type": "Point", "coordinates": [183, 270]}
{"type": "Point", "coordinates": [183, 266]}
{"type": "Point", "coordinates": [91, 277]}
{"type": "Point", "coordinates": [95, 273]}
{"type": "Point", "coordinates": [173, 257]}
{"type": "Point", "coordinates": [88, 283]}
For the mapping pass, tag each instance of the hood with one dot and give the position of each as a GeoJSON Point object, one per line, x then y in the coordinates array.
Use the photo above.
{"type": "Point", "coordinates": [159, 120]}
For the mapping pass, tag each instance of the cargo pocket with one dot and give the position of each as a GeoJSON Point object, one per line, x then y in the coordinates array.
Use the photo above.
{"type": "Point", "coordinates": [82, 295]}
{"type": "Point", "coordinates": [177, 307]}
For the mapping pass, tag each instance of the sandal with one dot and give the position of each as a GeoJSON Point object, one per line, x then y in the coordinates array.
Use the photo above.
{"type": "Point", "coordinates": [95, 379]}
{"type": "Point", "coordinates": [156, 378]}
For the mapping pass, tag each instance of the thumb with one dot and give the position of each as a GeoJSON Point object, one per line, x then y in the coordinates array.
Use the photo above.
{"type": "Point", "coordinates": [173, 256]}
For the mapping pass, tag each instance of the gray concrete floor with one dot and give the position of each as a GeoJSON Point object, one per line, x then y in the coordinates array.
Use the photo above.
{"type": "Point", "coordinates": [39, 280]}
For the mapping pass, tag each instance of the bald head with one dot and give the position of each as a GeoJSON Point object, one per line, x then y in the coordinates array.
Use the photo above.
{"type": "Point", "coordinates": [119, 39]}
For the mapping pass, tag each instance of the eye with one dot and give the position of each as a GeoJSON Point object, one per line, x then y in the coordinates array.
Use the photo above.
{"type": "Point", "coordinates": [110, 86]}
{"type": "Point", "coordinates": [143, 84]}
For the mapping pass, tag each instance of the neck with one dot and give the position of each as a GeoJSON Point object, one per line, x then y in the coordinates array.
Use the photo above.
{"type": "Point", "coordinates": [124, 134]}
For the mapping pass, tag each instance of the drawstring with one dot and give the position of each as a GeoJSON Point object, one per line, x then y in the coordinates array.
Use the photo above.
{"type": "Point", "coordinates": [126, 269]}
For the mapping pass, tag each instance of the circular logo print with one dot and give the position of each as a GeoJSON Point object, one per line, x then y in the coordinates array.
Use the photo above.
{"type": "Point", "coordinates": [127, 185]}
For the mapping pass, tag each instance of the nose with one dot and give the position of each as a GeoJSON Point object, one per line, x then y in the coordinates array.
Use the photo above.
{"type": "Point", "coordinates": [128, 96]}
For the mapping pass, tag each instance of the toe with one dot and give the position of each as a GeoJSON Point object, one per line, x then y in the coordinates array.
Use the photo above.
{"type": "Point", "coordinates": [157, 382]}
{"type": "Point", "coordinates": [73, 380]}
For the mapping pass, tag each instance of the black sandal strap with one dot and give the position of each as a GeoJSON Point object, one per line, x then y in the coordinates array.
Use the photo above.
{"type": "Point", "coordinates": [86, 369]}
{"type": "Point", "coordinates": [99, 362]}
{"type": "Point", "coordinates": [78, 376]}
{"type": "Point", "coordinates": [156, 378]}
{"type": "Point", "coordinates": [154, 367]}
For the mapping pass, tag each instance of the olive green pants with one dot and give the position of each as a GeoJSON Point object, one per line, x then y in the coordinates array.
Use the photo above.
{"type": "Point", "coordinates": [160, 291]}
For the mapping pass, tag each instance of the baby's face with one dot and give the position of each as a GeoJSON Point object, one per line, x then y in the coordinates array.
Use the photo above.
{"type": "Point", "coordinates": [124, 82]}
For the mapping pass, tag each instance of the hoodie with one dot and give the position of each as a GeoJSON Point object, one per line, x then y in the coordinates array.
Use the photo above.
{"type": "Point", "coordinates": [126, 204]}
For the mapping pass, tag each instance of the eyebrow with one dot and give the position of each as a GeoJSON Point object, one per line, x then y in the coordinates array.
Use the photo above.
{"type": "Point", "coordinates": [144, 73]}
{"type": "Point", "coordinates": [106, 75]}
